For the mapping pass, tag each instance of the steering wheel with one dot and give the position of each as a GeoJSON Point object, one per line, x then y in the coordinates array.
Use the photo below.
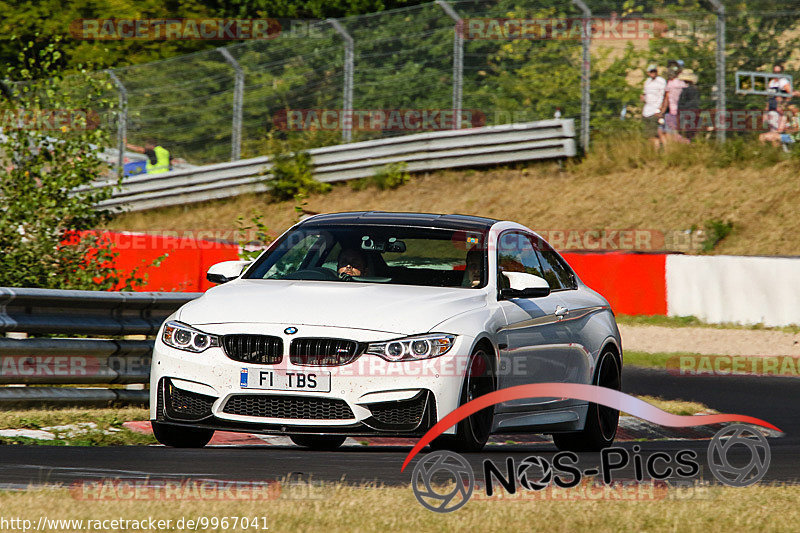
{"type": "Point", "coordinates": [344, 276]}
{"type": "Point", "coordinates": [313, 273]}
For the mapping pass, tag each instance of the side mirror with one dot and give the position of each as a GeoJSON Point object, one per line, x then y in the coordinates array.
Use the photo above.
{"type": "Point", "coordinates": [226, 271]}
{"type": "Point", "coordinates": [524, 285]}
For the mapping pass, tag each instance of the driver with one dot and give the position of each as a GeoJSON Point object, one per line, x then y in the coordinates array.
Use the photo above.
{"type": "Point", "coordinates": [473, 273]}
{"type": "Point", "coordinates": [352, 262]}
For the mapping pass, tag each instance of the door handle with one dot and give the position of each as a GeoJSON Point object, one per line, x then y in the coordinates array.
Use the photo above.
{"type": "Point", "coordinates": [561, 312]}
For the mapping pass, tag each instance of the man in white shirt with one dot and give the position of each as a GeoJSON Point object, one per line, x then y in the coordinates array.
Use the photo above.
{"type": "Point", "coordinates": [779, 85]}
{"type": "Point", "coordinates": [653, 96]}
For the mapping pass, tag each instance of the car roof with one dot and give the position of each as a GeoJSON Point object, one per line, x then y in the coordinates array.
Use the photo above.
{"type": "Point", "coordinates": [425, 220]}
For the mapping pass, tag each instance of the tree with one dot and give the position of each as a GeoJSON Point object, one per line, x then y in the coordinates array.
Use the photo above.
{"type": "Point", "coordinates": [50, 154]}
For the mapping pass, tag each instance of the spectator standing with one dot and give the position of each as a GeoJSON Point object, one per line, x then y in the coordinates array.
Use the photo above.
{"type": "Point", "coordinates": [669, 106]}
{"type": "Point", "coordinates": [652, 96]}
{"type": "Point", "coordinates": [689, 101]}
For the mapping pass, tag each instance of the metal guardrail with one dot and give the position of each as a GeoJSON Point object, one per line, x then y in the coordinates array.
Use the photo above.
{"type": "Point", "coordinates": [489, 145]}
{"type": "Point", "coordinates": [46, 360]}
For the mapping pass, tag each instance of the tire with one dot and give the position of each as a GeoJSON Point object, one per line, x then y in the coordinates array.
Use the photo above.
{"type": "Point", "coordinates": [601, 421]}
{"type": "Point", "coordinates": [319, 442]}
{"type": "Point", "coordinates": [472, 432]}
{"type": "Point", "coordinates": [181, 436]}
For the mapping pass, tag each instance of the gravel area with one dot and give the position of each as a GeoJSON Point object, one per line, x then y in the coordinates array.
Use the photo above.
{"type": "Point", "coordinates": [709, 341]}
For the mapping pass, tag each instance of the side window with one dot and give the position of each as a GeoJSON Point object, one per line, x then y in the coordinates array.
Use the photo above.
{"type": "Point", "coordinates": [556, 272]}
{"type": "Point", "coordinates": [516, 253]}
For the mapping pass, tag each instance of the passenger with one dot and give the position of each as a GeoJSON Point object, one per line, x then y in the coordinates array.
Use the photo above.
{"type": "Point", "coordinates": [352, 262]}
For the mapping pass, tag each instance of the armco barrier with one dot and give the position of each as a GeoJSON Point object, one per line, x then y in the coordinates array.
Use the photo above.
{"type": "Point", "coordinates": [56, 361]}
{"type": "Point", "coordinates": [490, 145]}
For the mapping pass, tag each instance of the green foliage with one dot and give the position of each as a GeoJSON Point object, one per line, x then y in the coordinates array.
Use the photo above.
{"type": "Point", "coordinates": [715, 231]}
{"type": "Point", "coordinates": [47, 211]}
{"type": "Point", "coordinates": [253, 236]}
{"type": "Point", "coordinates": [390, 176]}
{"type": "Point", "coordinates": [292, 174]}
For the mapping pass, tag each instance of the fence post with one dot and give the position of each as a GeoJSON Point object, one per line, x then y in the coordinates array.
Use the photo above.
{"type": "Point", "coordinates": [458, 61]}
{"type": "Point", "coordinates": [347, 105]}
{"type": "Point", "coordinates": [238, 96]}
{"type": "Point", "coordinates": [721, 103]}
{"type": "Point", "coordinates": [122, 120]}
{"type": "Point", "coordinates": [586, 40]}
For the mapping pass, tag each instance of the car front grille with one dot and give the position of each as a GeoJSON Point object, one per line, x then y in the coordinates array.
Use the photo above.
{"type": "Point", "coordinates": [291, 407]}
{"type": "Point", "coordinates": [406, 413]}
{"type": "Point", "coordinates": [256, 349]}
{"type": "Point", "coordinates": [324, 351]}
{"type": "Point", "coordinates": [182, 404]}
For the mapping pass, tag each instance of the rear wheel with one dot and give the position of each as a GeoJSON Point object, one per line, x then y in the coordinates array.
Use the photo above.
{"type": "Point", "coordinates": [601, 421]}
{"type": "Point", "coordinates": [472, 432]}
{"type": "Point", "coordinates": [318, 442]}
{"type": "Point", "coordinates": [181, 436]}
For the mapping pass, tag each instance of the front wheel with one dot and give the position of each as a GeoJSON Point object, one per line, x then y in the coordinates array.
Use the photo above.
{"type": "Point", "coordinates": [318, 442]}
{"type": "Point", "coordinates": [601, 421]}
{"type": "Point", "coordinates": [180, 436]}
{"type": "Point", "coordinates": [472, 432]}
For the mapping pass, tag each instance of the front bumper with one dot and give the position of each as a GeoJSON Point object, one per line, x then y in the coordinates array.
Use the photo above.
{"type": "Point", "coordinates": [367, 397]}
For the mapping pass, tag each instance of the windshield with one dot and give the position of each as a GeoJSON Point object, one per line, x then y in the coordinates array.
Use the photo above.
{"type": "Point", "coordinates": [377, 254]}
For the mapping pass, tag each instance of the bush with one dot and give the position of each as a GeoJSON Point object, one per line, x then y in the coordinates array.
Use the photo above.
{"type": "Point", "coordinates": [293, 175]}
{"type": "Point", "coordinates": [715, 230]}
{"type": "Point", "coordinates": [391, 176]}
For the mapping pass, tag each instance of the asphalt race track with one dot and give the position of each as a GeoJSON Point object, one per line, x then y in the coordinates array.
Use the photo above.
{"type": "Point", "coordinates": [776, 400]}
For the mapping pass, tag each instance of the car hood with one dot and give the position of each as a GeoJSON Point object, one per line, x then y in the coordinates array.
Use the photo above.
{"type": "Point", "coordinates": [397, 309]}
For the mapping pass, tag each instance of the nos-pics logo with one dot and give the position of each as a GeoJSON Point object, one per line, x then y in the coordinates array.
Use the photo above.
{"type": "Point", "coordinates": [444, 481]}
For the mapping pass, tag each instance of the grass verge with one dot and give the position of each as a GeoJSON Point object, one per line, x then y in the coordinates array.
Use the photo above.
{"type": "Point", "coordinates": [76, 427]}
{"type": "Point", "coordinates": [694, 322]}
{"type": "Point", "coordinates": [334, 508]}
{"type": "Point", "coordinates": [677, 407]}
{"type": "Point", "coordinates": [650, 360]}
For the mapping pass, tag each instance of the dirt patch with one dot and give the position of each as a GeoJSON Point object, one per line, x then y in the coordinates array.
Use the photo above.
{"type": "Point", "coordinates": [709, 341]}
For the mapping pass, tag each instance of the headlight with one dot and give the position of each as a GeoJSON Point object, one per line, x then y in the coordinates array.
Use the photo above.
{"type": "Point", "coordinates": [412, 348]}
{"type": "Point", "coordinates": [187, 338]}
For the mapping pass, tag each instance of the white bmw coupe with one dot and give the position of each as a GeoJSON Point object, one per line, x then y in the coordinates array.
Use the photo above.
{"type": "Point", "coordinates": [381, 324]}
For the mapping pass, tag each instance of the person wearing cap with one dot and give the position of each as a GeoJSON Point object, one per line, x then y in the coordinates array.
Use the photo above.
{"type": "Point", "coordinates": [688, 103]}
{"type": "Point", "coordinates": [669, 106]}
{"type": "Point", "coordinates": [652, 96]}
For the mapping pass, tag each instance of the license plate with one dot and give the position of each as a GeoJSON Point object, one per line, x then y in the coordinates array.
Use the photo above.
{"type": "Point", "coordinates": [256, 378]}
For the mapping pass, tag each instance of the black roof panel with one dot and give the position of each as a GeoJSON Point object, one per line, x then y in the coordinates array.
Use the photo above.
{"type": "Point", "coordinates": [462, 222]}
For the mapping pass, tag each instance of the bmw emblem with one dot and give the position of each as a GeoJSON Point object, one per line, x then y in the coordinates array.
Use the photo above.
{"type": "Point", "coordinates": [290, 330]}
